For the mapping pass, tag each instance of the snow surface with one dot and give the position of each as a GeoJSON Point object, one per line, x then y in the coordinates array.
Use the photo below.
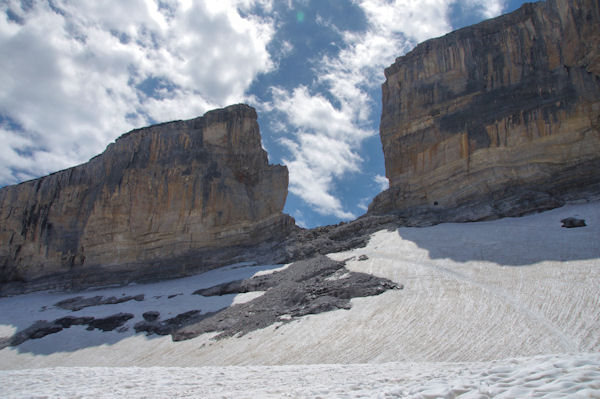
{"type": "Point", "coordinates": [506, 308]}
{"type": "Point", "coordinates": [559, 376]}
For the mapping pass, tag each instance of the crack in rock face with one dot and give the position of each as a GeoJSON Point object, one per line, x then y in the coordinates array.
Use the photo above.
{"type": "Point", "coordinates": [307, 287]}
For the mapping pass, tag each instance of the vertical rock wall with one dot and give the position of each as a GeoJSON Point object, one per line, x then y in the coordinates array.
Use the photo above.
{"type": "Point", "coordinates": [498, 118]}
{"type": "Point", "coordinates": [161, 201]}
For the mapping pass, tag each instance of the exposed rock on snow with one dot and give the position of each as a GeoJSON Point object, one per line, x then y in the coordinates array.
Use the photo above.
{"type": "Point", "coordinates": [110, 323]}
{"type": "Point", "coordinates": [168, 326]}
{"type": "Point", "coordinates": [41, 328]}
{"type": "Point", "coordinates": [305, 287]}
{"type": "Point", "coordinates": [80, 302]}
{"type": "Point", "coordinates": [151, 315]}
{"type": "Point", "coordinates": [573, 222]}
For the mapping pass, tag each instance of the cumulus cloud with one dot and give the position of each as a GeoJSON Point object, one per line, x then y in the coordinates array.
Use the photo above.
{"type": "Point", "coordinates": [382, 182]}
{"type": "Point", "coordinates": [487, 8]}
{"type": "Point", "coordinates": [76, 74]}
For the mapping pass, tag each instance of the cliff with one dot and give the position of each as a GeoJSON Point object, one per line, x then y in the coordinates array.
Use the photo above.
{"type": "Point", "coordinates": [162, 201]}
{"type": "Point", "coordinates": [497, 119]}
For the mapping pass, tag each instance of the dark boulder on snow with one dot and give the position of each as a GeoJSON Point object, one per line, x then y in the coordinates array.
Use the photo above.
{"type": "Point", "coordinates": [151, 315]}
{"type": "Point", "coordinates": [168, 326]}
{"type": "Point", "coordinates": [111, 322]}
{"type": "Point", "coordinates": [573, 222]}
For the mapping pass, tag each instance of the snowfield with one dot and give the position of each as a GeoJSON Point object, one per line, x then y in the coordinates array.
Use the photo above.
{"type": "Point", "coordinates": [505, 308]}
{"type": "Point", "coordinates": [566, 376]}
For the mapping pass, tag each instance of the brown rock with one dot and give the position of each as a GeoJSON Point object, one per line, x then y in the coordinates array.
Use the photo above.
{"type": "Point", "coordinates": [497, 119]}
{"type": "Point", "coordinates": [162, 201]}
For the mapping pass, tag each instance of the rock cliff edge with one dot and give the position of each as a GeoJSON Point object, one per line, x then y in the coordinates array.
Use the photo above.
{"type": "Point", "coordinates": [162, 201]}
{"type": "Point", "coordinates": [497, 119]}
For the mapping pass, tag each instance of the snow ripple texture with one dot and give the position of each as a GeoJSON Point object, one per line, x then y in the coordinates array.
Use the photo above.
{"type": "Point", "coordinates": [507, 308]}
{"type": "Point", "coordinates": [559, 376]}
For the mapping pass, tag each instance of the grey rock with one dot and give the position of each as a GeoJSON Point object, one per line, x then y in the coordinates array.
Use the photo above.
{"type": "Point", "coordinates": [573, 222]}
{"type": "Point", "coordinates": [79, 302]}
{"type": "Point", "coordinates": [111, 322]}
{"type": "Point", "coordinates": [66, 322]}
{"type": "Point", "coordinates": [151, 315]}
{"type": "Point", "coordinates": [306, 287]}
{"type": "Point", "coordinates": [42, 328]}
{"type": "Point", "coordinates": [37, 330]}
{"type": "Point", "coordinates": [168, 326]}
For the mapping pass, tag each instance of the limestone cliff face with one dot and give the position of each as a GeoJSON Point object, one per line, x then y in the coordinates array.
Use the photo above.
{"type": "Point", "coordinates": [508, 108]}
{"type": "Point", "coordinates": [161, 201]}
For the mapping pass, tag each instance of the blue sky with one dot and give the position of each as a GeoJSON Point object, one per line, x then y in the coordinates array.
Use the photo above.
{"type": "Point", "coordinates": [75, 75]}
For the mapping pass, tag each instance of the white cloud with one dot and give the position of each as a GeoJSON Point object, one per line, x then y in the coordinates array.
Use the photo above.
{"type": "Point", "coordinates": [417, 20]}
{"type": "Point", "coordinates": [363, 204]}
{"type": "Point", "coordinates": [75, 75]}
{"type": "Point", "coordinates": [315, 161]}
{"type": "Point", "coordinates": [286, 49]}
{"type": "Point", "coordinates": [314, 112]}
{"type": "Point", "coordinates": [487, 8]}
{"type": "Point", "coordinates": [382, 182]}
{"type": "Point", "coordinates": [323, 148]}
{"type": "Point", "coordinates": [299, 217]}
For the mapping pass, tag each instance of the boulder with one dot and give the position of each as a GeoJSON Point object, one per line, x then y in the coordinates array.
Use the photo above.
{"type": "Point", "coordinates": [151, 315]}
{"type": "Point", "coordinates": [573, 222]}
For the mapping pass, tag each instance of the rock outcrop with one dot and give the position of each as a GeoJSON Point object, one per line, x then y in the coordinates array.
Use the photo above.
{"type": "Point", "coordinates": [310, 286]}
{"type": "Point", "coordinates": [497, 119]}
{"type": "Point", "coordinates": [162, 201]}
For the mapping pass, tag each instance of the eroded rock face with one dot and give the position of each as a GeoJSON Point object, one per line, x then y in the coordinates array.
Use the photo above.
{"type": "Point", "coordinates": [499, 118]}
{"type": "Point", "coordinates": [161, 201]}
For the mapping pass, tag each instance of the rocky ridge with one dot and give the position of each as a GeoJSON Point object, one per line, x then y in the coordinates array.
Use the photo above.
{"type": "Point", "coordinates": [163, 201]}
{"type": "Point", "coordinates": [497, 119]}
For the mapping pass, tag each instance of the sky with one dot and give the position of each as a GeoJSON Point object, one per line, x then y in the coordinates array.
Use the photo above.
{"type": "Point", "coordinates": [77, 74]}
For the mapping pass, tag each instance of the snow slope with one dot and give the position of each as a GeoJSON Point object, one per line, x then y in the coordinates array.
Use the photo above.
{"type": "Point", "coordinates": [512, 305]}
{"type": "Point", "coordinates": [558, 376]}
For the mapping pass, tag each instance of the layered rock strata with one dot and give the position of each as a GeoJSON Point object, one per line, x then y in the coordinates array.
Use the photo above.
{"type": "Point", "coordinates": [497, 119]}
{"type": "Point", "coordinates": [162, 201]}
